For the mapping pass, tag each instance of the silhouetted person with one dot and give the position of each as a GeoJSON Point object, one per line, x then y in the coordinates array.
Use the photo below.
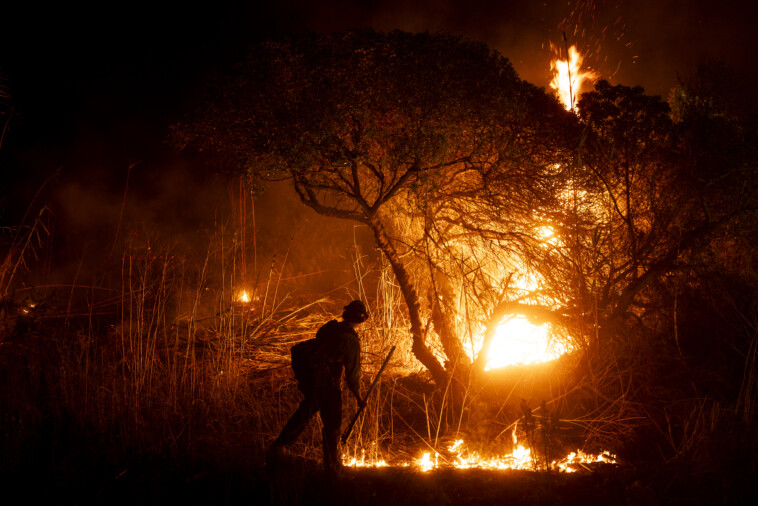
{"type": "Point", "coordinates": [318, 365]}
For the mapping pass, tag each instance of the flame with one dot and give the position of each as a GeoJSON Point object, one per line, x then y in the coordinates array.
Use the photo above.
{"type": "Point", "coordinates": [243, 296]}
{"type": "Point", "coordinates": [520, 458]}
{"type": "Point", "coordinates": [547, 235]}
{"type": "Point", "coordinates": [579, 459]}
{"type": "Point", "coordinates": [517, 341]}
{"type": "Point", "coordinates": [363, 462]}
{"type": "Point", "coordinates": [425, 462]}
{"type": "Point", "coordinates": [568, 77]}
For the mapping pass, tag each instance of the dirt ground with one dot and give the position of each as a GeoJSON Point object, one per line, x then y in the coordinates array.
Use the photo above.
{"type": "Point", "coordinates": [302, 482]}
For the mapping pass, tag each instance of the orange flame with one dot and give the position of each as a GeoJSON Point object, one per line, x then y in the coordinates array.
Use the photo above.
{"type": "Point", "coordinates": [462, 458]}
{"type": "Point", "coordinates": [518, 341]}
{"type": "Point", "coordinates": [568, 77]}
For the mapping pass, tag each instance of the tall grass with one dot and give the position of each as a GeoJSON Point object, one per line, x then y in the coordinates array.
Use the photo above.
{"type": "Point", "coordinates": [175, 370]}
{"type": "Point", "coordinates": [170, 366]}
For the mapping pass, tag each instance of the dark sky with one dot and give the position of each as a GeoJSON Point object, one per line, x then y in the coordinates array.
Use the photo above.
{"type": "Point", "coordinates": [127, 71]}
{"type": "Point", "coordinates": [94, 90]}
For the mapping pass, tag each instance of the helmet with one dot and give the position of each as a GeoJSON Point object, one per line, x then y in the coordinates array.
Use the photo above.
{"type": "Point", "coordinates": [355, 312]}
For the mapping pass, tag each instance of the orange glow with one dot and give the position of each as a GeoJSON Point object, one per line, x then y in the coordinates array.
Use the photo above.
{"type": "Point", "coordinates": [520, 458]}
{"type": "Point", "coordinates": [568, 77]}
{"type": "Point", "coordinates": [363, 461]}
{"type": "Point", "coordinates": [425, 462]}
{"type": "Point", "coordinates": [243, 296]}
{"type": "Point", "coordinates": [519, 342]}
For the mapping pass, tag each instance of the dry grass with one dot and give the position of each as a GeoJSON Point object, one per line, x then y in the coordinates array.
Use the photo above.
{"type": "Point", "coordinates": [168, 364]}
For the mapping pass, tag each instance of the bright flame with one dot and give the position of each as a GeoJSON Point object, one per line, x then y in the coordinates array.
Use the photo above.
{"type": "Point", "coordinates": [243, 296]}
{"type": "Point", "coordinates": [425, 462]}
{"type": "Point", "coordinates": [520, 458]}
{"type": "Point", "coordinates": [518, 341]}
{"type": "Point", "coordinates": [568, 77]}
{"type": "Point", "coordinates": [578, 459]}
{"type": "Point", "coordinates": [547, 235]}
{"type": "Point", "coordinates": [363, 461]}
{"type": "Point", "coordinates": [455, 446]}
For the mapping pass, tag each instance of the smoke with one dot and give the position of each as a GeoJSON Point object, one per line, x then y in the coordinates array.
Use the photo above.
{"type": "Point", "coordinates": [182, 209]}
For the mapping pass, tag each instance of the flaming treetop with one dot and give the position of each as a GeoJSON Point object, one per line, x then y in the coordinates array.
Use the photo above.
{"type": "Point", "coordinates": [569, 77]}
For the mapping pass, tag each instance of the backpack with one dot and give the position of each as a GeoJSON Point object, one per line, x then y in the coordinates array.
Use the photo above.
{"type": "Point", "coordinates": [305, 359]}
{"type": "Point", "coordinates": [309, 357]}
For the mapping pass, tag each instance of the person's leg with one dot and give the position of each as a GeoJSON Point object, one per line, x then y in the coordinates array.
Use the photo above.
{"type": "Point", "coordinates": [330, 401]}
{"type": "Point", "coordinates": [294, 426]}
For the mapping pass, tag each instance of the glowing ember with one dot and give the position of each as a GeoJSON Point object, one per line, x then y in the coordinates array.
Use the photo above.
{"type": "Point", "coordinates": [518, 341]}
{"type": "Point", "coordinates": [569, 77]}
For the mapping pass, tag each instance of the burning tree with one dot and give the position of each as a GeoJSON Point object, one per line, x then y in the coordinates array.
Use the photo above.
{"type": "Point", "coordinates": [395, 130]}
{"type": "Point", "coordinates": [649, 207]}
{"type": "Point", "coordinates": [487, 198]}
{"type": "Point", "coordinates": [649, 196]}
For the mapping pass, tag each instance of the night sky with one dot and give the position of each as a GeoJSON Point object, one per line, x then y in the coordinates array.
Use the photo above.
{"type": "Point", "coordinates": [94, 91]}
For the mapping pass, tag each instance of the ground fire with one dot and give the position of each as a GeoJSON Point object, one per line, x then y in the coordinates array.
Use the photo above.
{"type": "Point", "coordinates": [458, 456]}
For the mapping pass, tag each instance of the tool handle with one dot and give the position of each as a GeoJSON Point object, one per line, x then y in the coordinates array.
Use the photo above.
{"type": "Point", "coordinates": [349, 428]}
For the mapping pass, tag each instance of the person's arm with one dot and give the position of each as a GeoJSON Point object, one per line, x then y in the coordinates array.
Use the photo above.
{"type": "Point", "coordinates": [353, 368]}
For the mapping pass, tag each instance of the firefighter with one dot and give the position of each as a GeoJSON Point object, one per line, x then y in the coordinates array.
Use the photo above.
{"type": "Point", "coordinates": [318, 366]}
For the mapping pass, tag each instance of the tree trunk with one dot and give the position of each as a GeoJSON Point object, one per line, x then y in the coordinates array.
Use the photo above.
{"type": "Point", "coordinates": [444, 326]}
{"type": "Point", "coordinates": [419, 348]}
{"type": "Point", "coordinates": [440, 300]}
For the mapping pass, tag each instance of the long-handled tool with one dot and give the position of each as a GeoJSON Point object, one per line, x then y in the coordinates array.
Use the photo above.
{"type": "Point", "coordinates": [349, 428]}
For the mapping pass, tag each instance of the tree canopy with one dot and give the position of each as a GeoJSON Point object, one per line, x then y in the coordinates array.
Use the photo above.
{"type": "Point", "coordinates": [355, 119]}
{"type": "Point", "coordinates": [486, 197]}
{"type": "Point", "coordinates": [363, 120]}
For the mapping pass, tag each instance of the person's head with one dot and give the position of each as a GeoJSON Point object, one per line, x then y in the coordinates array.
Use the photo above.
{"type": "Point", "coordinates": [355, 312]}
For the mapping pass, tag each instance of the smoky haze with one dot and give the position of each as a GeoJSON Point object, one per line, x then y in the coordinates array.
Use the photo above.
{"type": "Point", "coordinates": [188, 215]}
